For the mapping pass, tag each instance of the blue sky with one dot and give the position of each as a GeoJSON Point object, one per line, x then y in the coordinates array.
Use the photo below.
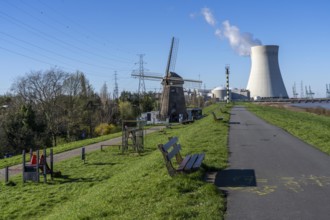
{"type": "Point", "coordinates": [102, 36]}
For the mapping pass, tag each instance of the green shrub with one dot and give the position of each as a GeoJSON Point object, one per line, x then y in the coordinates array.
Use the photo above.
{"type": "Point", "coordinates": [104, 128]}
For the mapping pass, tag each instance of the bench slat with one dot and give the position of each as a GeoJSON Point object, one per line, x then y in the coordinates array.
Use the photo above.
{"type": "Point", "coordinates": [191, 162]}
{"type": "Point", "coordinates": [184, 163]}
{"type": "Point", "coordinates": [170, 143]}
{"type": "Point", "coordinates": [172, 149]}
{"type": "Point", "coordinates": [176, 150]}
{"type": "Point", "coordinates": [199, 160]}
{"type": "Point", "coordinates": [216, 118]}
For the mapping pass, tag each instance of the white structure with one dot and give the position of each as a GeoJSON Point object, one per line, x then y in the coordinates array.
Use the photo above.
{"type": "Point", "coordinates": [240, 94]}
{"type": "Point", "coordinates": [265, 77]}
{"type": "Point", "coordinates": [219, 93]}
{"type": "Point", "coordinates": [151, 117]}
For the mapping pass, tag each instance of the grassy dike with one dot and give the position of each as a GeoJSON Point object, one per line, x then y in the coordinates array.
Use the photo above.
{"type": "Point", "coordinates": [17, 159]}
{"type": "Point", "coordinates": [112, 185]}
{"type": "Point", "coordinates": [311, 128]}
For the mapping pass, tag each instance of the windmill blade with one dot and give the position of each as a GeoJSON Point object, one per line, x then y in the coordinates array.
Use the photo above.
{"type": "Point", "coordinates": [174, 54]}
{"type": "Point", "coordinates": [187, 83]}
{"type": "Point", "coordinates": [167, 72]}
{"type": "Point", "coordinates": [148, 77]}
{"type": "Point", "coordinates": [192, 85]}
{"type": "Point", "coordinates": [193, 81]}
{"type": "Point", "coordinates": [172, 57]}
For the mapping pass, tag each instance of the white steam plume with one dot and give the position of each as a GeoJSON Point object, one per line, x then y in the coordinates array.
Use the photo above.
{"type": "Point", "coordinates": [240, 42]}
{"type": "Point", "coordinates": [208, 16]}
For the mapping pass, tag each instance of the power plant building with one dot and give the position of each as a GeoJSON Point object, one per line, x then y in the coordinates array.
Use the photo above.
{"type": "Point", "coordinates": [219, 93]}
{"type": "Point", "coordinates": [240, 94]}
{"type": "Point", "coordinates": [265, 79]}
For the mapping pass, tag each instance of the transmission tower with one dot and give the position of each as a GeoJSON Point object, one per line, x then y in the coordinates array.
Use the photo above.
{"type": "Point", "coordinates": [142, 87]}
{"type": "Point", "coordinates": [115, 91]}
{"type": "Point", "coordinates": [328, 90]}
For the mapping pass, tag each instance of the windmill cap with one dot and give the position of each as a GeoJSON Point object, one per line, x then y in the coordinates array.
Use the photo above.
{"type": "Point", "coordinates": [173, 74]}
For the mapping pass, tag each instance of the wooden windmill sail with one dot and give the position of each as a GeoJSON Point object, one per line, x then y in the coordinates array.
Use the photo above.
{"type": "Point", "coordinates": [173, 105]}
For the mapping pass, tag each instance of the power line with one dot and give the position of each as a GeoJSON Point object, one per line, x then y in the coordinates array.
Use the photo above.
{"type": "Point", "coordinates": [92, 36]}
{"type": "Point", "coordinates": [52, 52]}
{"type": "Point", "coordinates": [32, 58]}
{"type": "Point", "coordinates": [47, 36]}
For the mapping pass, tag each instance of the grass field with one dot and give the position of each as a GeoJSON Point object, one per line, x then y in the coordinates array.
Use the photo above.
{"type": "Point", "coordinates": [60, 148]}
{"type": "Point", "coordinates": [311, 128]}
{"type": "Point", "coordinates": [112, 185]}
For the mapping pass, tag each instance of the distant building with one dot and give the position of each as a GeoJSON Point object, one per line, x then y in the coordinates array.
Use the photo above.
{"type": "Point", "coordinates": [219, 93]}
{"type": "Point", "coordinates": [240, 94]}
{"type": "Point", "coordinates": [194, 113]}
{"type": "Point", "coordinates": [151, 117]}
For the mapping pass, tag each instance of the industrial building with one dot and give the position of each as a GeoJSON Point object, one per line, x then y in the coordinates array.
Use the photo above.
{"type": "Point", "coordinates": [219, 93]}
{"type": "Point", "coordinates": [240, 94]}
{"type": "Point", "coordinates": [265, 79]}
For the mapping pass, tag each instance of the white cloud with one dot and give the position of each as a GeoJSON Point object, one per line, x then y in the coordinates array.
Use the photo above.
{"type": "Point", "coordinates": [193, 15]}
{"type": "Point", "coordinates": [218, 33]}
{"type": "Point", "coordinates": [208, 16]}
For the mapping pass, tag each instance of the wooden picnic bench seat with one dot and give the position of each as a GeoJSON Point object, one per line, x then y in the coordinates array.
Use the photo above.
{"type": "Point", "coordinates": [187, 164]}
{"type": "Point", "coordinates": [187, 122]}
{"type": "Point", "coordinates": [216, 118]}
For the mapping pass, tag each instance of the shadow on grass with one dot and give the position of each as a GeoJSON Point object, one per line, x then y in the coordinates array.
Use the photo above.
{"type": "Point", "coordinates": [66, 179]}
{"type": "Point", "coordinates": [100, 163]}
{"type": "Point", "coordinates": [236, 178]}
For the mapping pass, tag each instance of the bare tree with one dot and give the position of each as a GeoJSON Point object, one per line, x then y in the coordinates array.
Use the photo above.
{"type": "Point", "coordinates": [44, 90]}
{"type": "Point", "coordinates": [107, 105]}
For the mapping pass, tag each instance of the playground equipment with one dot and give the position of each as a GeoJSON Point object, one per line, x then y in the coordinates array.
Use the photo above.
{"type": "Point", "coordinates": [133, 135]}
{"type": "Point", "coordinates": [38, 163]}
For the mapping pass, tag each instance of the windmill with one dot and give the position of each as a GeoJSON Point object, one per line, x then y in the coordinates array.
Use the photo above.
{"type": "Point", "coordinates": [173, 103]}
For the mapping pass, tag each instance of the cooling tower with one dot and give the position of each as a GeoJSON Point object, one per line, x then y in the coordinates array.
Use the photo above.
{"type": "Point", "coordinates": [265, 77]}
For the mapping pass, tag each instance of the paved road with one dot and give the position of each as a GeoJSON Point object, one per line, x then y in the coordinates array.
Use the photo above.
{"type": "Point", "coordinates": [273, 175]}
{"type": "Point", "coordinates": [13, 170]}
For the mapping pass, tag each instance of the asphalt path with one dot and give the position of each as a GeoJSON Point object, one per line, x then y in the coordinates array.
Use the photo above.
{"type": "Point", "coordinates": [16, 169]}
{"type": "Point", "coordinates": [271, 174]}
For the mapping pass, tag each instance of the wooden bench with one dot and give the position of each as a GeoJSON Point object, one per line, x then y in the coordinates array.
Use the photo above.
{"type": "Point", "coordinates": [187, 122]}
{"type": "Point", "coordinates": [172, 149]}
{"type": "Point", "coordinates": [216, 118]}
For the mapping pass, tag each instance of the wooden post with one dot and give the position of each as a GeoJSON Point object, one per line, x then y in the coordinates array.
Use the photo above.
{"type": "Point", "coordinates": [7, 174]}
{"type": "Point", "coordinates": [51, 164]}
{"type": "Point", "coordinates": [45, 165]}
{"type": "Point", "coordinates": [83, 154]}
{"type": "Point", "coordinates": [23, 165]}
{"type": "Point", "coordinates": [37, 167]}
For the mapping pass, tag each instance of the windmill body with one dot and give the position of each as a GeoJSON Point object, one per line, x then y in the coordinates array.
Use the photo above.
{"type": "Point", "coordinates": [173, 101]}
